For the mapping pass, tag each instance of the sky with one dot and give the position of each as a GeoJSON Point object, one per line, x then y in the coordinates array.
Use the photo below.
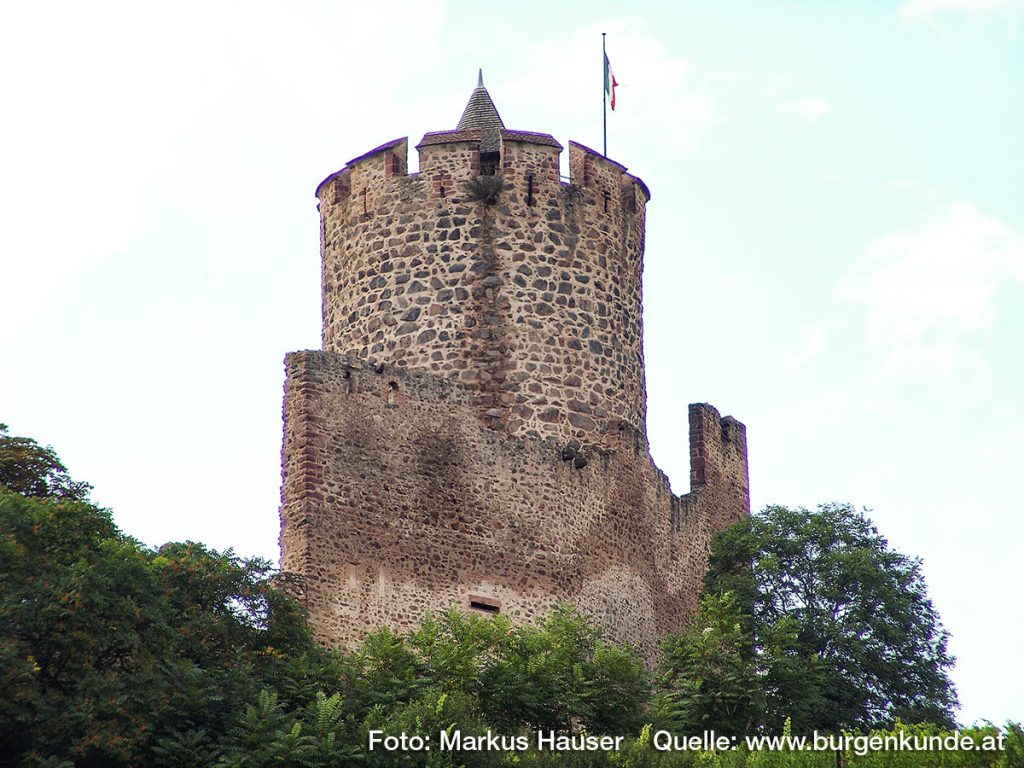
{"type": "Point", "coordinates": [835, 245]}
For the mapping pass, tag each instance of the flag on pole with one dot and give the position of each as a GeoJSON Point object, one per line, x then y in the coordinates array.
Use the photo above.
{"type": "Point", "coordinates": [609, 81]}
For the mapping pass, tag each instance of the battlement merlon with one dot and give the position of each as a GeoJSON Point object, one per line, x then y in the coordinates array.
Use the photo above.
{"type": "Point", "coordinates": [589, 168]}
{"type": "Point", "coordinates": [369, 169]}
{"type": "Point", "coordinates": [718, 464]}
{"type": "Point", "coordinates": [718, 444]}
{"type": "Point", "coordinates": [461, 155]}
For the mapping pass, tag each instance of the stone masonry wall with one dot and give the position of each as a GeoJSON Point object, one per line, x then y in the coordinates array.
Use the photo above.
{"type": "Point", "coordinates": [398, 499]}
{"type": "Point", "coordinates": [529, 295]}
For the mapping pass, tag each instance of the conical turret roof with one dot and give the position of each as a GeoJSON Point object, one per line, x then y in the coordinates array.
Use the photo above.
{"type": "Point", "coordinates": [481, 122]}
{"type": "Point", "coordinates": [480, 112]}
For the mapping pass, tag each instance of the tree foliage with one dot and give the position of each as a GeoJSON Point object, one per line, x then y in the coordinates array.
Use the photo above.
{"type": "Point", "coordinates": [29, 469]}
{"type": "Point", "coordinates": [711, 681]}
{"type": "Point", "coordinates": [558, 675]}
{"type": "Point", "coordinates": [108, 646]}
{"type": "Point", "coordinates": [844, 633]}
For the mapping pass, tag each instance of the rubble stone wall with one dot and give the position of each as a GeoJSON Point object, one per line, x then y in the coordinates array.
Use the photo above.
{"type": "Point", "coordinates": [399, 500]}
{"type": "Point", "coordinates": [522, 287]}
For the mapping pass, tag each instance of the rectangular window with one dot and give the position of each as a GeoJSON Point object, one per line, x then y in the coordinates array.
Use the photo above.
{"type": "Point", "coordinates": [489, 163]}
{"type": "Point", "coordinates": [484, 604]}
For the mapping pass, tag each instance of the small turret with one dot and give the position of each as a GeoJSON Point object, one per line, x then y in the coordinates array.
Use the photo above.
{"type": "Point", "coordinates": [481, 115]}
{"type": "Point", "coordinates": [480, 112]}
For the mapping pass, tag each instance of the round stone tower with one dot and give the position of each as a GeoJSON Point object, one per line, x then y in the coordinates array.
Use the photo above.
{"type": "Point", "coordinates": [488, 269]}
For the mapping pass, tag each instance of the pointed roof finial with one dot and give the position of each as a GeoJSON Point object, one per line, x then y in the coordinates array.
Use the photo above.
{"type": "Point", "coordinates": [480, 112]}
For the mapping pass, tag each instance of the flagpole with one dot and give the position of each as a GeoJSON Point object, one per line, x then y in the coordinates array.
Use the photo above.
{"type": "Point", "coordinates": [604, 93]}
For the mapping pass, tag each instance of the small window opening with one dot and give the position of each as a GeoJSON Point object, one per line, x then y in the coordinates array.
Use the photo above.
{"type": "Point", "coordinates": [529, 189]}
{"type": "Point", "coordinates": [393, 394]}
{"type": "Point", "coordinates": [606, 198]}
{"type": "Point", "coordinates": [366, 191]}
{"type": "Point", "coordinates": [489, 163]}
{"type": "Point", "coordinates": [442, 190]}
{"type": "Point", "coordinates": [485, 604]}
{"type": "Point", "coordinates": [395, 167]}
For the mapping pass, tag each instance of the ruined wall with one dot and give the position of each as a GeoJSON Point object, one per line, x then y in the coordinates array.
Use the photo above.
{"type": "Point", "coordinates": [399, 499]}
{"type": "Point", "coordinates": [529, 295]}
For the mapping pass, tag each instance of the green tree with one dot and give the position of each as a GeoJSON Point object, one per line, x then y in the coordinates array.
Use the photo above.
{"type": "Point", "coordinates": [560, 674]}
{"type": "Point", "coordinates": [108, 649]}
{"type": "Point", "coordinates": [845, 633]}
{"type": "Point", "coordinates": [29, 469]}
{"type": "Point", "coordinates": [711, 680]}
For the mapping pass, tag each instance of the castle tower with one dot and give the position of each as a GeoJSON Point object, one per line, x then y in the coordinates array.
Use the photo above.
{"type": "Point", "coordinates": [473, 432]}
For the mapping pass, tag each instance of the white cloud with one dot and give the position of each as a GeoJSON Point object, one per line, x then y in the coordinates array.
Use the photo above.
{"type": "Point", "coordinates": [929, 10]}
{"type": "Point", "coordinates": [931, 292]}
{"type": "Point", "coordinates": [806, 110]}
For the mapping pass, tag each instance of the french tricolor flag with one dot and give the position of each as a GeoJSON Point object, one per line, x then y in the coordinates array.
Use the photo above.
{"type": "Point", "coordinates": [609, 81]}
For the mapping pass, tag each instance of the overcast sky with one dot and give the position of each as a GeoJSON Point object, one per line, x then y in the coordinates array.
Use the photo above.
{"type": "Point", "coordinates": [835, 250]}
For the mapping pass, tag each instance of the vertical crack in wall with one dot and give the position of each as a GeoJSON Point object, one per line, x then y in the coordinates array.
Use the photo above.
{"type": "Point", "coordinates": [629, 278]}
{"type": "Point", "coordinates": [492, 316]}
